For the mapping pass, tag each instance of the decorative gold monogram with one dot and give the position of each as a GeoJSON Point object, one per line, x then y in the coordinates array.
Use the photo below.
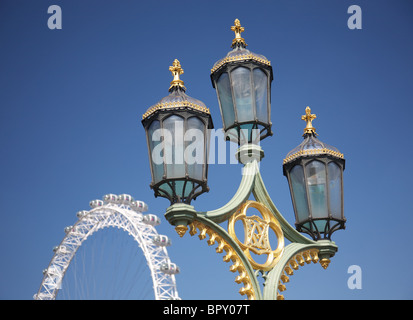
{"type": "Point", "coordinates": [256, 232]}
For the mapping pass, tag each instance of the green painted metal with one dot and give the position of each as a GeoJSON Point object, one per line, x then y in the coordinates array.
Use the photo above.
{"type": "Point", "coordinates": [326, 249]}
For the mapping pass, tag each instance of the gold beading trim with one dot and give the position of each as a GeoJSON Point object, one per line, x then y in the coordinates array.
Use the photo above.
{"type": "Point", "coordinates": [298, 260]}
{"type": "Point", "coordinates": [309, 152]}
{"type": "Point", "coordinates": [231, 255]}
{"type": "Point", "coordinates": [174, 105]}
{"type": "Point", "coordinates": [241, 57]}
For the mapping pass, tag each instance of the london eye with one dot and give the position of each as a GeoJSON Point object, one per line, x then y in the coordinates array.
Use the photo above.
{"type": "Point", "coordinates": [119, 212]}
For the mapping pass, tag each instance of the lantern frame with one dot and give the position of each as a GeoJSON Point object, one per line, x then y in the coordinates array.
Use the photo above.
{"type": "Point", "coordinates": [180, 105]}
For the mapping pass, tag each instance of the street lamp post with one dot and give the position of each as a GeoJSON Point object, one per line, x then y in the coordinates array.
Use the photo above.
{"type": "Point", "coordinates": [314, 172]}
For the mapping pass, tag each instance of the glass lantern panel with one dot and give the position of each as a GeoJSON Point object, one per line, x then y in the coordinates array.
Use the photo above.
{"type": "Point", "coordinates": [316, 183]}
{"type": "Point", "coordinates": [225, 99]}
{"type": "Point", "coordinates": [156, 158]}
{"type": "Point", "coordinates": [321, 225]}
{"type": "Point", "coordinates": [260, 84]}
{"type": "Point", "coordinates": [334, 188]}
{"type": "Point", "coordinates": [195, 148]}
{"type": "Point", "coordinates": [188, 188]}
{"type": "Point", "coordinates": [165, 187]}
{"type": "Point", "coordinates": [241, 82]}
{"type": "Point", "coordinates": [247, 134]}
{"type": "Point", "coordinates": [179, 187]}
{"type": "Point", "coordinates": [174, 146]}
{"type": "Point", "coordinates": [299, 194]}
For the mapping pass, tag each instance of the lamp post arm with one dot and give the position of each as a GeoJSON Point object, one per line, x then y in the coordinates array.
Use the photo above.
{"type": "Point", "coordinates": [261, 195]}
{"type": "Point", "coordinates": [295, 255]}
{"type": "Point", "coordinates": [244, 190]}
{"type": "Point", "coordinates": [234, 254]}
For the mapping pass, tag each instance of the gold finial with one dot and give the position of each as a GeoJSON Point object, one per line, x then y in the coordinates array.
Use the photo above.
{"type": "Point", "coordinates": [308, 117]}
{"type": "Point", "coordinates": [324, 263]}
{"type": "Point", "coordinates": [238, 29]}
{"type": "Point", "coordinates": [176, 70]}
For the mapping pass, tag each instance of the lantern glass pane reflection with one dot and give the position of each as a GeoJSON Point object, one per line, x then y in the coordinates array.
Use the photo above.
{"type": "Point", "coordinates": [194, 147]}
{"type": "Point", "coordinates": [156, 159]}
{"type": "Point", "coordinates": [334, 178]}
{"type": "Point", "coordinates": [316, 182]}
{"type": "Point", "coordinates": [225, 97]}
{"type": "Point", "coordinates": [242, 93]}
{"type": "Point", "coordinates": [174, 148]}
{"type": "Point", "coordinates": [299, 193]}
{"type": "Point", "coordinates": [260, 83]}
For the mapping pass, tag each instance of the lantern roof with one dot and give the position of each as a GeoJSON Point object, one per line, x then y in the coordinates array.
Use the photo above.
{"type": "Point", "coordinates": [177, 98]}
{"type": "Point", "coordinates": [239, 51]}
{"type": "Point", "coordinates": [311, 146]}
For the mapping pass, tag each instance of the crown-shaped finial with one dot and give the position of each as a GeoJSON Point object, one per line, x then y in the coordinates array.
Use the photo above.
{"type": "Point", "coordinates": [308, 117]}
{"type": "Point", "coordinates": [176, 70]}
{"type": "Point", "coordinates": [238, 40]}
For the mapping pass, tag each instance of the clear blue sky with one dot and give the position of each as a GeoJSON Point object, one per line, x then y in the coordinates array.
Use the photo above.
{"type": "Point", "coordinates": [71, 101]}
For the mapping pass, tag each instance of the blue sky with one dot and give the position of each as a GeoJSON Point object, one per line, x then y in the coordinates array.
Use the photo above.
{"type": "Point", "coordinates": [71, 101]}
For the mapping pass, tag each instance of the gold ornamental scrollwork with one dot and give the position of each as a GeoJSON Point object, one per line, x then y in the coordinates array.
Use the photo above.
{"type": "Point", "coordinates": [256, 234]}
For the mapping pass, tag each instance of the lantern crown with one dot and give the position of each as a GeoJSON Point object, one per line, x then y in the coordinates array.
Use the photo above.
{"type": "Point", "coordinates": [177, 98]}
{"type": "Point", "coordinates": [311, 146]}
{"type": "Point", "coordinates": [239, 52]}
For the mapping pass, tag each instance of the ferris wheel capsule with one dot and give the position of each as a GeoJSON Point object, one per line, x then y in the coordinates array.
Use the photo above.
{"type": "Point", "coordinates": [96, 203]}
{"type": "Point", "coordinates": [162, 241]}
{"type": "Point", "coordinates": [68, 229]}
{"type": "Point", "coordinates": [61, 249]}
{"type": "Point", "coordinates": [81, 214]}
{"type": "Point", "coordinates": [112, 198]}
{"type": "Point", "coordinates": [125, 198]}
{"type": "Point", "coordinates": [139, 206]}
{"type": "Point", "coordinates": [52, 271]}
{"type": "Point", "coordinates": [169, 268]}
{"type": "Point", "coordinates": [152, 220]}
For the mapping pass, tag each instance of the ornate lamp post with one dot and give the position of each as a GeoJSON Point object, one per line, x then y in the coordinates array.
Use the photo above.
{"type": "Point", "coordinates": [314, 172]}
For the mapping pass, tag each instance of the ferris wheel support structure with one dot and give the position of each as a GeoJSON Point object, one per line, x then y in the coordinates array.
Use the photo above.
{"type": "Point", "coordinates": [125, 213]}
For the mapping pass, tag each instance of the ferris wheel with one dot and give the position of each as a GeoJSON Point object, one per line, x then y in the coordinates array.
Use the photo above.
{"type": "Point", "coordinates": [122, 212]}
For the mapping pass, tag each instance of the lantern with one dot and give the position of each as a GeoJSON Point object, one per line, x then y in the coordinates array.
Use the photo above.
{"type": "Point", "coordinates": [178, 141]}
{"type": "Point", "coordinates": [314, 171]}
{"type": "Point", "coordinates": [242, 81]}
